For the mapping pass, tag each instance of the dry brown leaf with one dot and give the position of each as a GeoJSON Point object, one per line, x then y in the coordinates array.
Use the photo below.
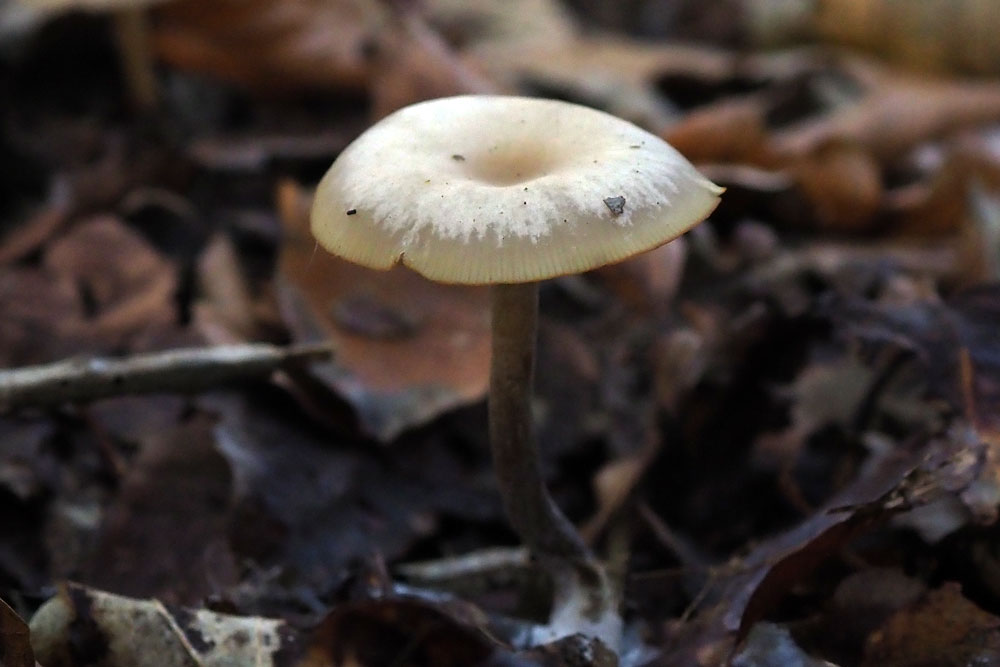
{"type": "Point", "coordinates": [271, 46]}
{"type": "Point", "coordinates": [896, 112]}
{"type": "Point", "coordinates": [843, 184]}
{"type": "Point", "coordinates": [613, 484]}
{"type": "Point", "coordinates": [343, 45]}
{"type": "Point", "coordinates": [130, 286]}
{"type": "Point", "coordinates": [407, 348]}
{"type": "Point", "coordinates": [929, 35]}
{"type": "Point", "coordinates": [401, 631]}
{"type": "Point", "coordinates": [649, 282]}
{"type": "Point", "coordinates": [225, 314]}
{"type": "Point", "coordinates": [32, 234]}
{"type": "Point", "coordinates": [729, 131]}
{"type": "Point", "coordinates": [610, 73]}
{"type": "Point", "coordinates": [941, 201]}
{"type": "Point", "coordinates": [468, 23]}
{"type": "Point", "coordinates": [42, 314]}
{"type": "Point", "coordinates": [15, 647]}
{"type": "Point", "coordinates": [836, 157]}
{"type": "Point", "coordinates": [412, 64]}
{"type": "Point", "coordinates": [943, 629]}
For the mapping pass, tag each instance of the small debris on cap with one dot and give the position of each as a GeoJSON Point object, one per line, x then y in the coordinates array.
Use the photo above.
{"type": "Point", "coordinates": [352, 211]}
{"type": "Point", "coordinates": [616, 204]}
{"type": "Point", "coordinates": [458, 158]}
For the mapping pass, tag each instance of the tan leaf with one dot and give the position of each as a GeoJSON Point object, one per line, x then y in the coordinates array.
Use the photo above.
{"type": "Point", "coordinates": [406, 348]}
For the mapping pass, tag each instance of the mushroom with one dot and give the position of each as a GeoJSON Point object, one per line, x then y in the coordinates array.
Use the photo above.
{"type": "Point", "coordinates": [507, 192]}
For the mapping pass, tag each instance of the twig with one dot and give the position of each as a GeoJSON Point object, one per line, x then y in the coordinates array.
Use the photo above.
{"type": "Point", "coordinates": [478, 563]}
{"type": "Point", "coordinates": [132, 33]}
{"type": "Point", "coordinates": [678, 546]}
{"type": "Point", "coordinates": [185, 370]}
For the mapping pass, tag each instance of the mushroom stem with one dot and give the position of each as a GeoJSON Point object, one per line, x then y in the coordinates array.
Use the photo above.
{"type": "Point", "coordinates": [530, 508]}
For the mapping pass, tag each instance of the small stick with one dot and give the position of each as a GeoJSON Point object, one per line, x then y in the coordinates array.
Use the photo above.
{"type": "Point", "coordinates": [477, 563]}
{"type": "Point", "coordinates": [132, 34]}
{"type": "Point", "coordinates": [184, 370]}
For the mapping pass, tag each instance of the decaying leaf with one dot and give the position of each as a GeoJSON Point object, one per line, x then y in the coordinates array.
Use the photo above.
{"type": "Point", "coordinates": [165, 534]}
{"type": "Point", "coordinates": [15, 645]}
{"type": "Point", "coordinates": [944, 628]}
{"type": "Point", "coordinates": [41, 314]}
{"type": "Point", "coordinates": [399, 631]}
{"type": "Point", "coordinates": [226, 312]}
{"type": "Point", "coordinates": [412, 64]}
{"type": "Point", "coordinates": [84, 626]}
{"type": "Point", "coordinates": [467, 23]}
{"type": "Point", "coordinates": [407, 348]}
{"type": "Point", "coordinates": [896, 113]}
{"type": "Point", "coordinates": [914, 33]}
{"type": "Point", "coordinates": [863, 119]}
{"type": "Point", "coordinates": [313, 509]}
{"type": "Point", "coordinates": [127, 291]}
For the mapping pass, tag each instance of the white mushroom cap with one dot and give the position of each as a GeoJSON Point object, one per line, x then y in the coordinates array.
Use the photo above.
{"type": "Point", "coordinates": [493, 189]}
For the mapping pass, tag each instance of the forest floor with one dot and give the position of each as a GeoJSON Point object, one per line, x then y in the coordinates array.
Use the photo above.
{"type": "Point", "coordinates": [781, 431]}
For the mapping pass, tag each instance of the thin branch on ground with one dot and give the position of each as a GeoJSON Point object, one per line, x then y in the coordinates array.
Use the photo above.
{"type": "Point", "coordinates": [184, 370]}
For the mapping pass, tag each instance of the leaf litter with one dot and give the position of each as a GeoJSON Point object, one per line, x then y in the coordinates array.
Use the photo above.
{"type": "Point", "coordinates": [783, 432]}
